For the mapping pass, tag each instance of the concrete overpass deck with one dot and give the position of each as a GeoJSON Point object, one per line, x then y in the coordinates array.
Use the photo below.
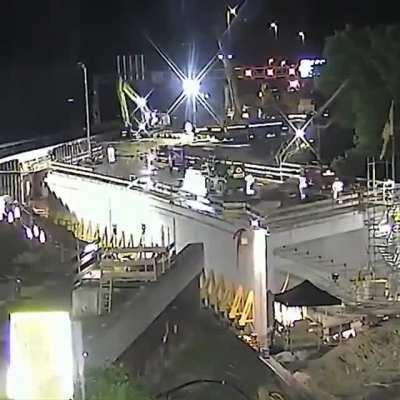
{"type": "Point", "coordinates": [280, 203]}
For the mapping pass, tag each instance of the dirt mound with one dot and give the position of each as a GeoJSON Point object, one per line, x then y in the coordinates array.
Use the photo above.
{"type": "Point", "coordinates": [353, 369]}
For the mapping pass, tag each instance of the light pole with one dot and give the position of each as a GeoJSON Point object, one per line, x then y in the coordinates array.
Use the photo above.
{"type": "Point", "coordinates": [85, 82]}
{"type": "Point", "coordinates": [274, 26]}
{"type": "Point", "coordinates": [302, 37]}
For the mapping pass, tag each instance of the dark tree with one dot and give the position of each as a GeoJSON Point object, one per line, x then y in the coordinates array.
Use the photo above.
{"type": "Point", "coordinates": [369, 60]}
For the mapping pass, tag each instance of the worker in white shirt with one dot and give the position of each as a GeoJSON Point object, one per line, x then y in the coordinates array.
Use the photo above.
{"type": "Point", "coordinates": [302, 187]}
{"type": "Point", "coordinates": [337, 188]}
{"type": "Point", "coordinates": [250, 185]}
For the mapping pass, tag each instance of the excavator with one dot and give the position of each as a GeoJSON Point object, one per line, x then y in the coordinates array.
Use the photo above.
{"type": "Point", "coordinates": [144, 119]}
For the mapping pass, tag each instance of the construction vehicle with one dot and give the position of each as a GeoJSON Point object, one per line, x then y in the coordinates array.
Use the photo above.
{"type": "Point", "coordinates": [223, 178]}
{"type": "Point", "coordinates": [144, 119]}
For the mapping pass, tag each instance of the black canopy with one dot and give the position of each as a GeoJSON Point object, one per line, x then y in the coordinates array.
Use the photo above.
{"type": "Point", "coordinates": [306, 294]}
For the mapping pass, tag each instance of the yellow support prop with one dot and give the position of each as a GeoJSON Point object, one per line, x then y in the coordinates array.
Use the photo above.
{"type": "Point", "coordinates": [89, 232]}
{"type": "Point", "coordinates": [131, 243]}
{"type": "Point", "coordinates": [218, 293]}
{"type": "Point", "coordinates": [237, 304]}
{"type": "Point", "coordinates": [122, 241]}
{"type": "Point", "coordinates": [211, 284]}
{"type": "Point", "coordinates": [61, 221]}
{"type": "Point", "coordinates": [69, 226]}
{"type": "Point", "coordinates": [104, 239]}
{"type": "Point", "coordinates": [214, 285]}
{"type": "Point", "coordinates": [97, 233]}
{"type": "Point", "coordinates": [113, 241]}
{"type": "Point", "coordinates": [221, 294]}
{"type": "Point", "coordinates": [247, 316]}
{"type": "Point", "coordinates": [227, 299]}
{"type": "Point", "coordinates": [81, 231]}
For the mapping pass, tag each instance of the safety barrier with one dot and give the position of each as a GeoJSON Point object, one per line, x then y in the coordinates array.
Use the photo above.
{"type": "Point", "coordinates": [43, 162]}
{"type": "Point", "coordinates": [268, 173]}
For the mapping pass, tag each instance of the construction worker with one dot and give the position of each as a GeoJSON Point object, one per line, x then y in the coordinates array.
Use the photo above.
{"type": "Point", "coordinates": [249, 185]}
{"type": "Point", "coordinates": [189, 128]}
{"type": "Point", "coordinates": [151, 158]}
{"type": "Point", "coordinates": [302, 186]}
{"type": "Point", "coordinates": [337, 188]}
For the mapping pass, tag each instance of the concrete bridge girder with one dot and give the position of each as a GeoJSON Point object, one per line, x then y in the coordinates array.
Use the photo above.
{"type": "Point", "coordinates": [238, 259]}
{"type": "Point", "coordinates": [342, 239]}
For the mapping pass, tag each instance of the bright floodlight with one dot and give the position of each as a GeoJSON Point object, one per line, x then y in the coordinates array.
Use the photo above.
{"type": "Point", "coordinates": [17, 212]}
{"type": "Point", "coordinates": [141, 102]}
{"type": "Point", "coordinates": [233, 10]}
{"type": "Point", "coordinates": [42, 236]}
{"type": "Point", "coordinates": [300, 133]}
{"type": "Point", "coordinates": [28, 232]}
{"type": "Point", "coordinates": [142, 127]}
{"type": "Point", "coordinates": [36, 231]}
{"type": "Point", "coordinates": [191, 87]}
{"type": "Point", "coordinates": [41, 357]}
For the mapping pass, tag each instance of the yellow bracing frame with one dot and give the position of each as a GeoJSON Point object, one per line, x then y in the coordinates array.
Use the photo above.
{"type": "Point", "coordinates": [227, 299]}
{"type": "Point", "coordinates": [237, 304]}
{"type": "Point", "coordinates": [247, 316]}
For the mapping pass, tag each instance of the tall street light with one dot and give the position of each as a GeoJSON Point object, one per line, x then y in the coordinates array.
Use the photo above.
{"type": "Point", "coordinates": [85, 82]}
{"type": "Point", "coordinates": [302, 37]}
{"type": "Point", "coordinates": [274, 26]}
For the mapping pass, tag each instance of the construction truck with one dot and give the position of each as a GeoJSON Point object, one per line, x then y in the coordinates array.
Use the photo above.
{"type": "Point", "coordinates": [224, 179]}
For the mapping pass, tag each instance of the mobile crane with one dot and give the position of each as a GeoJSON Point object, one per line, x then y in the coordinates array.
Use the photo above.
{"type": "Point", "coordinates": [147, 119]}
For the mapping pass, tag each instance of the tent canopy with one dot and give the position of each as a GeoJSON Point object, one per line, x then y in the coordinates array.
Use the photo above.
{"type": "Point", "coordinates": [308, 295]}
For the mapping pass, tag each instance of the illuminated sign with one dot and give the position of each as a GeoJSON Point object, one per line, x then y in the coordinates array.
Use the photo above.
{"type": "Point", "coordinates": [270, 72]}
{"type": "Point", "coordinates": [307, 67]}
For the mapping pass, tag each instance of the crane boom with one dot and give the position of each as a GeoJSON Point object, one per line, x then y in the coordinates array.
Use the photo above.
{"type": "Point", "coordinates": [147, 118]}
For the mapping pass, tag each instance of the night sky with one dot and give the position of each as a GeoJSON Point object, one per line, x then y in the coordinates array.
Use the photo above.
{"type": "Point", "coordinates": [42, 40]}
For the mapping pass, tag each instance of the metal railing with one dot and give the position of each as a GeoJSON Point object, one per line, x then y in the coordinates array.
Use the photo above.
{"type": "Point", "coordinates": [43, 162]}
{"type": "Point", "coordinates": [270, 173]}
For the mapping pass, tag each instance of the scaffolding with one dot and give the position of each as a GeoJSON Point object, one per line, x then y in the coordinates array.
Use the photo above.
{"type": "Point", "coordinates": [383, 217]}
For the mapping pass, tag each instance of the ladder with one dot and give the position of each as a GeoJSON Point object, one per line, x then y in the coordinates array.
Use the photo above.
{"type": "Point", "coordinates": [105, 295]}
